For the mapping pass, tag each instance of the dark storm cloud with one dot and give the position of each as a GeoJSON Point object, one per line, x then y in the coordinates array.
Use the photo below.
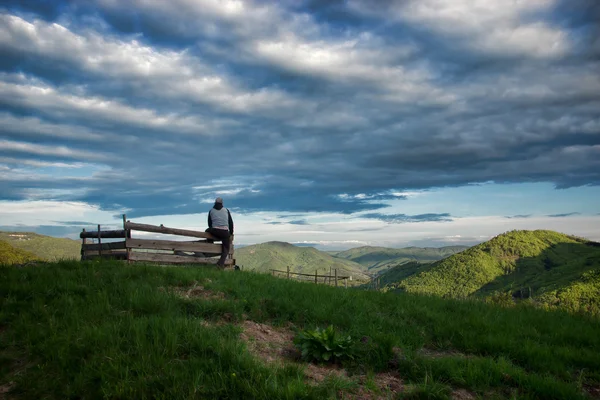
{"type": "Point", "coordinates": [293, 106]}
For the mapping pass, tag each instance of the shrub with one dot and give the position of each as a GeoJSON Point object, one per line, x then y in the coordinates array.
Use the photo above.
{"type": "Point", "coordinates": [323, 345]}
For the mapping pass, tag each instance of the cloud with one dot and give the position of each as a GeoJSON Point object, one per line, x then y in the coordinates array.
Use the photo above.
{"type": "Point", "coordinates": [518, 216]}
{"type": "Point", "coordinates": [156, 108]}
{"type": "Point", "coordinates": [403, 218]}
{"type": "Point", "coordinates": [563, 215]}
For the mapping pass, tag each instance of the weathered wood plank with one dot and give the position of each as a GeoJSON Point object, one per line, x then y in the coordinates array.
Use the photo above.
{"type": "Point", "coordinates": [118, 234]}
{"type": "Point", "coordinates": [105, 256]}
{"type": "Point", "coordinates": [169, 231]}
{"type": "Point", "coordinates": [173, 259]}
{"type": "Point", "coordinates": [103, 246]}
{"type": "Point", "coordinates": [173, 245]}
{"type": "Point", "coordinates": [104, 252]}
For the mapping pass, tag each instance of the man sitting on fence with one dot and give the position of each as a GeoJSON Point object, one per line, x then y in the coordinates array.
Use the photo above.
{"type": "Point", "coordinates": [220, 225]}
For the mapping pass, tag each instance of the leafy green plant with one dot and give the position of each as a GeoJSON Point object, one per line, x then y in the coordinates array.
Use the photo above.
{"type": "Point", "coordinates": [323, 344]}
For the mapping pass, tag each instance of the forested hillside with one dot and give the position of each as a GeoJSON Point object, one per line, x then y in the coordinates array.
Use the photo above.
{"type": "Point", "coordinates": [549, 267]}
{"type": "Point", "coordinates": [378, 259]}
{"type": "Point", "coordinates": [279, 255]}
{"type": "Point", "coordinates": [45, 247]}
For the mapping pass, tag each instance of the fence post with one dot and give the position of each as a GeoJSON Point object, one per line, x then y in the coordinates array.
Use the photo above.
{"type": "Point", "coordinates": [346, 283]}
{"type": "Point", "coordinates": [127, 236]}
{"type": "Point", "coordinates": [99, 243]}
{"type": "Point", "coordinates": [288, 272]}
{"type": "Point", "coordinates": [83, 242]}
{"type": "Point", "coordinates": [316, 276]}
{"type": "Point", "coordinates": [329, 276]}
{"type": "Point", "coordinates": [273, 271]}
{"type": "Point", "coordinates": [336, 278]}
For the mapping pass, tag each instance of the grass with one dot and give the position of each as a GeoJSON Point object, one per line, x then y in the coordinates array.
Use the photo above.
{"type": "Point", "coordinates": [108, 330]}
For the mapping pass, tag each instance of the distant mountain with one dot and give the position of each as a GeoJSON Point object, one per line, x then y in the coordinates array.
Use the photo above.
{"type": "Point", "coordinates": [550, 267]}
{"type": "Point", "coordinates": [378, 259]}
{"type": "Point", "coordinates": [45, 247]}
{"type": "Point", "coordinates": [279, 255]}
{"type": "Point", "coordinates": [10, 255]}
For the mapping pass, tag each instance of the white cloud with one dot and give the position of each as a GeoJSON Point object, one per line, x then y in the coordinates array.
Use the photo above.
{"type": "Point", "coordinates": [175, 74]}
{"type": "Point", "coordinates": [491, 26]}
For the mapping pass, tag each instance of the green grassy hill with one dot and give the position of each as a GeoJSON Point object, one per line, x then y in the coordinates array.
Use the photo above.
{"type": "Point", "coordinates": [279, 255]}
{"type": "Point", "coordinates": [10, 255]}
{"type": "Point", "coordinates": [46, 247]}
{"type": "Point", "coordinates": [537, 264]}
{"type": "Point", "coordinates": [378, 259]}
{"type": "Point", "coordinates": [109, 330]}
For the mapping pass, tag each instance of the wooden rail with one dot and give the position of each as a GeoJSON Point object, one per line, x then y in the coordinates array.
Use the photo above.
{"type": "Point", "coordinates": [329, 277]}
{"type": "Point", "coordinates": [152, 250]}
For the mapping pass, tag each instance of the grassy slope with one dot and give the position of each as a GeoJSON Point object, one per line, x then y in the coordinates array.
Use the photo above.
{"type": "Point", "coordinates": [279, 255]}
{"type": "Point", "coordinates": [379, 259]}
{"type": "Point", "coordinates": [10, 255]}
{"type": "Point", "coordinates": [535, 262]}
{"type": "Point", "coordinates": [46, 247]}
{"type": "Point", "coordinates": [402, 271]}
{"type": "Point", "coordinates": [101, 330]}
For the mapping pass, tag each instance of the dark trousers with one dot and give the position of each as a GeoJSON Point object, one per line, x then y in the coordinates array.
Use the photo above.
{"type": "Point", "coordinates": [223, 236]}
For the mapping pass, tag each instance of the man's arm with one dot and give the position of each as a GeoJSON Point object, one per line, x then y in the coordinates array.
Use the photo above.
{"type": "Point", "coordinates": [230, 222]}
{"type": "Point", "coordinates": [209, 220]}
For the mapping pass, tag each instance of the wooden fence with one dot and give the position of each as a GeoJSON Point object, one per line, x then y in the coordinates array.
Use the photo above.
{"type": "Point", "coordinates": [151, 250]}
{"type": "Point", "coordinates": [327, 279]}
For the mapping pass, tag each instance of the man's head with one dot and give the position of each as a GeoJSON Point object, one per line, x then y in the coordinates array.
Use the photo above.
{"type": "Point", "coordinates": [219, 200]}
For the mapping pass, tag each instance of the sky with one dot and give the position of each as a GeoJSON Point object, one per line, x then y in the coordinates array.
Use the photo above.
{"type": "Point", "coordinates": [333, 124]}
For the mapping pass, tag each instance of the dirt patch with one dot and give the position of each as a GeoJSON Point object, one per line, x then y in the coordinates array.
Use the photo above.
{"type": "Point", "coordinates": [592, 390]}
{"type": "Point", "coordinates": [462, 394]}
{"type": "Point", "coordinates": [274, 345]}
{"type": "Point", "coordinates": [197, 292]}
{"type": "Point", "coordinates": [4, 389]}
{"type": "Point", "coordinates": [268, 343]}
{"type": "Point", "coordinates": [430, 353]}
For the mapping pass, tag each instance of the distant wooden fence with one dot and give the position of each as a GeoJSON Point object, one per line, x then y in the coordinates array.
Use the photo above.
{"type": "Point", "coordinates": [152, 250]}
{"type": "Point", "coordinates": [327, 279]}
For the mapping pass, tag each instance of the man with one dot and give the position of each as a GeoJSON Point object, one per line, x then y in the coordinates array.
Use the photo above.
{"type": "Point", "coordinates": [220, 225]}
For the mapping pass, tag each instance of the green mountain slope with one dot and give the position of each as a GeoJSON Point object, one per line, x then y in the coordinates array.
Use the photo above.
{"type": "Point", "coordinates": [10, 255]}
{"type": "Point", "coordinates": [279, 255]}
{"type": "Point", "coordinates": [108, 330]}
{"type": "Point", "coordinates": [46, 247]}
{"type": "Point", "coordinates": [400, 272]}
{"type": "Point", "coordinates": [549, 267]}
{"type": "Point", "coordinates": [379, 259]}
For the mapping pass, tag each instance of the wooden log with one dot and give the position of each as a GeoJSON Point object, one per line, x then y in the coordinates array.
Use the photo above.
{"type": "Point", "coordinates": [103, 246]}
{"type": "Point", "coordinates": [168, 231]}
{"type": "Point", "coordinates": [118, 234]}
{"type": "Point", "coordinates": [201, 247]}
{"type": "Point", "coordinates": [173, 259]}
